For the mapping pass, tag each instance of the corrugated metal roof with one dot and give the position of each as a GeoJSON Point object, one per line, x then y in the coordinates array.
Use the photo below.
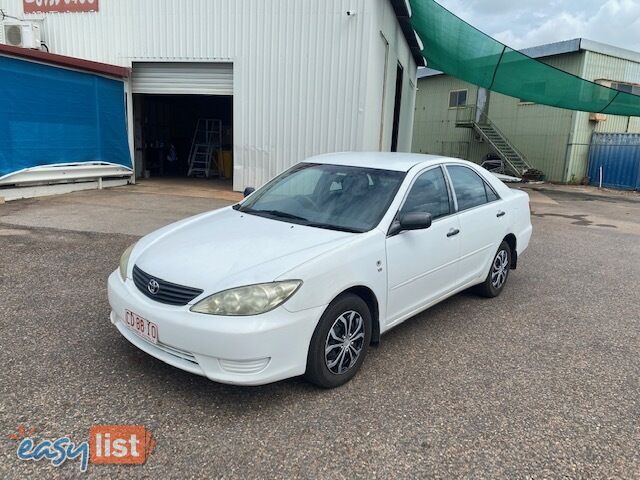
{"type": "Point", "coordinates": [580, 44]}
{"type": "Point", "coordinates": [64, 61]}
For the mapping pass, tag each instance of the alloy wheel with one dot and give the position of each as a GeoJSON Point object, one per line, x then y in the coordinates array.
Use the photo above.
{"type": "Point", "coordinates": [344, 343]}
{"type": "Point", "coordinates": [500, 269]}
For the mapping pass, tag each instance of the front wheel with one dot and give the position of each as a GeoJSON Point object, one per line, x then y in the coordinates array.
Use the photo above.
{"type": "Point", "coordinates": [340, 342]}
{"type": "Point", "coordinates": [498, 274]}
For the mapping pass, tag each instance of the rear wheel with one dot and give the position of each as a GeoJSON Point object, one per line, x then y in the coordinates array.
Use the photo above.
{"type": "Point", "coordinates": [340, 342]}
{"type": "Point", "coordinates": [498, 274]}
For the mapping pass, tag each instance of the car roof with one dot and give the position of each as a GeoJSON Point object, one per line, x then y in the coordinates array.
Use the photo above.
{"type": "Point", "coordinates": [400, 162]}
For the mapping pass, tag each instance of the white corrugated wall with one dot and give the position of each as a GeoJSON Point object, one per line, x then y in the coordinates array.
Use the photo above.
{"type": "Point", "coordinates": [302, 80]}
{"type": "Point", "coordinates": [385, 29]}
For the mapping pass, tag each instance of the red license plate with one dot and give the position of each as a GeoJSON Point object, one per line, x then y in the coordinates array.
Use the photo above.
{"type": "Point", "coordinates": [141, 326]}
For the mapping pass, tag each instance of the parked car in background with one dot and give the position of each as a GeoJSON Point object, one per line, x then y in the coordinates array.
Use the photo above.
{"type": "Point", "coordinates": [309, 270]}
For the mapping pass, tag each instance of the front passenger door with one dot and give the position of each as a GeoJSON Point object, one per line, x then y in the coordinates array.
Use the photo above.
{"type": "Point", "coordinates": [421, 264]}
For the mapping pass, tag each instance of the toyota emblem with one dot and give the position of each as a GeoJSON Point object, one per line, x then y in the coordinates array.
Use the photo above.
{"type": "Point", "coordinates": [153, 287]}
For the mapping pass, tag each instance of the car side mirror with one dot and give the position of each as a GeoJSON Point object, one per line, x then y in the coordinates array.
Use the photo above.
{"type": "Point", "coordinates": [411, 221]}
{"type": "Point", "coordinates": [415, 221]}
{"type": "Point", "coordinates": [248, 191]}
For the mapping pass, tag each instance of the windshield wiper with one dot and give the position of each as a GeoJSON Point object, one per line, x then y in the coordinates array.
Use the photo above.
{"type": "Point", "coordinates": [276, 213]}
{"type": "Point", "coordinates": [302, 220]}
{"type": "Point", "coordinates": [330, 226]}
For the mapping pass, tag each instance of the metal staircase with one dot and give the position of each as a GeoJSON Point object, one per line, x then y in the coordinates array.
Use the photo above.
{"type": "Point", "coordinates": [514, 160]}
{"type": "Point", "coordinates": [206, 144]}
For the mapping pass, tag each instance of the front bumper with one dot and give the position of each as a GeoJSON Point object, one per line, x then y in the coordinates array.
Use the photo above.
{"type": "Point", "coordinates": [237, 350]}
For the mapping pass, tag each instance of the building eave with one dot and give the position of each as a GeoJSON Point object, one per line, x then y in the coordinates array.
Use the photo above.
{"type": "Point", "coordinates": [402, 10]}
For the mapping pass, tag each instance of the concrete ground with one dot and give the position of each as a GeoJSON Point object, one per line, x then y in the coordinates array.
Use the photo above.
{"type": "Point", "coordinates": [542, 382]}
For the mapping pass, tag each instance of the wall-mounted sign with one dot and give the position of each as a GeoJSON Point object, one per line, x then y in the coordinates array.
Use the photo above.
{"type": "Point", "coordinates": [44, 6]}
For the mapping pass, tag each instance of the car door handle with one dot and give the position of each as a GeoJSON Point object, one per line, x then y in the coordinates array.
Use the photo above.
{"type": "Point", "coordinates": [501, 214]}
{"type": "Point", "coordinates": [453, 232]}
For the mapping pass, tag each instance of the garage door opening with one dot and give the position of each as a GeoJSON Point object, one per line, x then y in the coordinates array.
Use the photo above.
{"type": "Point", "coordinates": [184, 136]}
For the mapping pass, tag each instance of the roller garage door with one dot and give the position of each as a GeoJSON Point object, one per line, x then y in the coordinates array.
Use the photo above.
{"type": "Point", "coordinates": [168, 78]}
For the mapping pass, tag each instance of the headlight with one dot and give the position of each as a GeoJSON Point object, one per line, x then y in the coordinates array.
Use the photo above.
{"type": "Point", "coordinates": [249, 300]}
{"type": "Point", "coordinates": [124, 261]}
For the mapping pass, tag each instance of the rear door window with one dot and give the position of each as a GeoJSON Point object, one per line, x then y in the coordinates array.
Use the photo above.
{"type": "Point", "coordinates": [471, 190]}
{"type": "Point", "coordinates": [491, 195]}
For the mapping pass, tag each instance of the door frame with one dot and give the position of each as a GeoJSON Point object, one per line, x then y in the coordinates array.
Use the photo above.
{"type": "Point", "coordinates": [131, 108]}
{"type": "Point", "coordinates": [397, 107]}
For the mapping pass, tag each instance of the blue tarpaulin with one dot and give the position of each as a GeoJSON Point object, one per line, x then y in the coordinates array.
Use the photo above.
{"type": "Point", "coordinates": [51, 115]}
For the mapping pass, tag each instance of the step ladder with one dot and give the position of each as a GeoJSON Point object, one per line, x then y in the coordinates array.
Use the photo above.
{"type": "Point", "coordinates": [206, 144]}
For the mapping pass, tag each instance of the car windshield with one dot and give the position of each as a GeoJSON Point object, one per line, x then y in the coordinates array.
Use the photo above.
{"type": "Point", "coordinates": [335, 197]}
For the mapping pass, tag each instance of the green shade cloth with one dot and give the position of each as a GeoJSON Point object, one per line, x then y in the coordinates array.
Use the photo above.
{"type": "Point", "coordinates": [456, 48]}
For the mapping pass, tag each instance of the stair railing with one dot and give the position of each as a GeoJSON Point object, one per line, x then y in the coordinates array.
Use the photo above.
{"type": "Point", "coordinates": [481, 118]}
{"type": "Point", "coordinates": [466, 114]}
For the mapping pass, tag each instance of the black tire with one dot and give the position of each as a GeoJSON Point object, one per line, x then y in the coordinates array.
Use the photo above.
{"type": "Point", "coordinates": [491, 288]}
{"type": "Point", "coordinates": [318, 370]}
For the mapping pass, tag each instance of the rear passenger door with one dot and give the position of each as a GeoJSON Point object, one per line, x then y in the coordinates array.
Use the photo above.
{"type": "Point", "coordinates": [481, 225]}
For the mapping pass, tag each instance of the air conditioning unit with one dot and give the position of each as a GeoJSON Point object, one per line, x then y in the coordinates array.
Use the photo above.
{"type": "Point", "coordinates": [25, 35]}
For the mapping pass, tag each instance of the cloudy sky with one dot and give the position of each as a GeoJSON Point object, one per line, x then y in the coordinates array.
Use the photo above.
{"type": "Point", "coordinates": [526, 23]}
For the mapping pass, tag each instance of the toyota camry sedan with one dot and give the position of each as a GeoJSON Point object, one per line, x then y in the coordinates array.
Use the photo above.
{"type": "Point", "coordinates": [304, 274]}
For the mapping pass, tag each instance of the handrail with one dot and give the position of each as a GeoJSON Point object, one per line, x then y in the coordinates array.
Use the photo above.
{"type": "Point", "coordinates": [468, 114]}
{"type": "Point", "coordinates": [487, 121]}
{"type": "Point", "coordinates": [471, 109]}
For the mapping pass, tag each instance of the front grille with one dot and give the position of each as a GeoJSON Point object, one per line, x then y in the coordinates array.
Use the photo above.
{"type": "Point", "coordinates": [167, 292]}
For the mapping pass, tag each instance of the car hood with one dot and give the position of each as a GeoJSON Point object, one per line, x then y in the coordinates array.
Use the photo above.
{"type": "Point", "coordinates": [227, 248]}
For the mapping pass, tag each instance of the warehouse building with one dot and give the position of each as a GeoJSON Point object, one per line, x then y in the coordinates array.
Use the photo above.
{"type": "Point", "coordinates": [458, 119]}
{"type": "Point", "coordinates": [241, 89]}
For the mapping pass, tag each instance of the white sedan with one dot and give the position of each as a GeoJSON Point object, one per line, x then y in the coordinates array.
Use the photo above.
{"type": "Point", "coordinates": [309, 270]}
